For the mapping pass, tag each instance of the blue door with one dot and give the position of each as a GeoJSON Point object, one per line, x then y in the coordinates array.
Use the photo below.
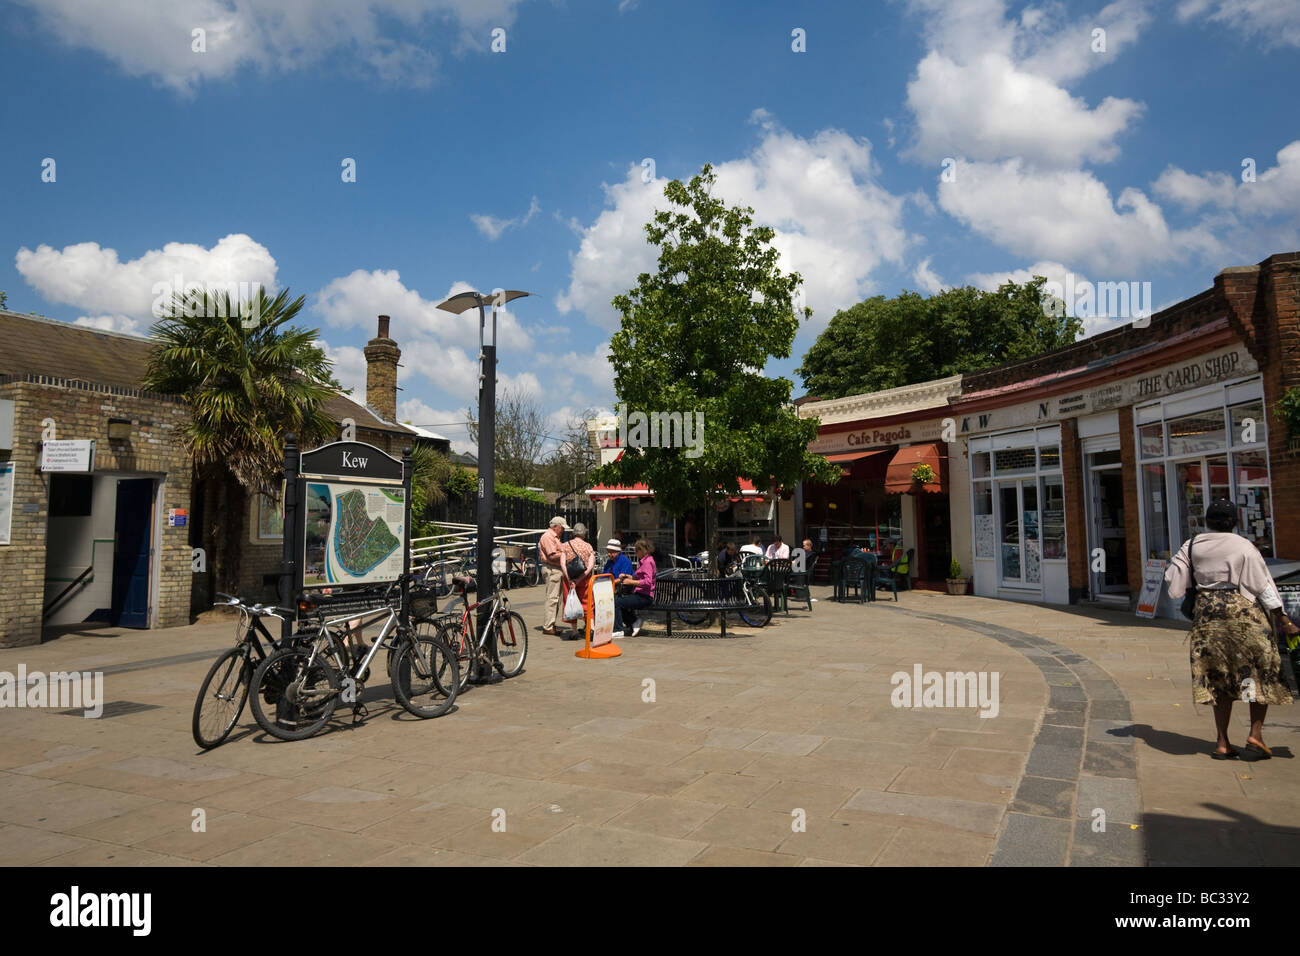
{"type": "Point", "coordinates": [133, 531]}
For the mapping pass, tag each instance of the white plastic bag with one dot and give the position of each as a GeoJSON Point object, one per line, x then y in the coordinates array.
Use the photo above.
{"type": "Point", "coordinates": [573, 606]}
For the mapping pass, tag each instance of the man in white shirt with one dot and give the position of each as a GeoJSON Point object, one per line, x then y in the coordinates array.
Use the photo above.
{"type": "Point", "coordinates": [778, 549]}
{"type": "Point", "coordinates": [753, 547]}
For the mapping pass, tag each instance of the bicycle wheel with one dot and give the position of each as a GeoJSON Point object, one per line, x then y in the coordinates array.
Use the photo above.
{"type": "Point", "coordinates": [512, 644]}
{"type": "Point", "coordinates": [303, 696]}
{"type": "Point", "coordinates": [425, 675]}
{"type": "Point", "coordinates": [221, 698]}
{"type": "Point", "coordinates": [693, 618]}
{"type": "Point", "coordinates": [759, 614]}
{"type": "Point", "coordinates": [532, 573]}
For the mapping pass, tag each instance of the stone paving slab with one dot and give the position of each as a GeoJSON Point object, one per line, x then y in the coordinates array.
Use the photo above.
{"type": "Point", "coordinates": [742, 758]}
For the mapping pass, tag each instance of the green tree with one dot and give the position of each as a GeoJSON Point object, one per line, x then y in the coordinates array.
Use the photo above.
{"type": "Point", "coordinates": [568, 466]}
{"type": "Point", "coordinates": [520, 434]}
{"type": "Point", "coordinates": [4, 299]}
{"type": "Point", "coordinates": [883, 343]}
{"type": "Point", "coordinates": [695, 338]}
{"type": "Point", "coordinates": [246, 387]}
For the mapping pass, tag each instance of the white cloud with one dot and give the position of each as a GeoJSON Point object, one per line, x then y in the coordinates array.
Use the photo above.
{"type": "Point", "coordinates": [113, 323]}
{"type": "Point", "coordinates": [349, 367]}
{"type": "Point", "coordinates": [94, 278]}
{"type": "Point", "coordinates": [926, 278]}
{"type": "Point", "coordinates": [1067, 215]}
{"type": "Point", "coordinates": [492, 227]}
{"type": "Point", "coordinates": [148, 38]}
{"type": "Point", "coordinates": [1273, 23]}
{"type": "Point", "coordinates": [990, 87]}
{"type": "Point", "coordinates": [449, 424]}
{"type": "Point", "coordinates": [834, 224]}
{"type": "Point", "coordinates": [1051, 271]}
{"type": "Point", "coordinates": [1275, 191]}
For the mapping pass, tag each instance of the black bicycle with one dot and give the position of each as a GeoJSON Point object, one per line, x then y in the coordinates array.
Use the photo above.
{"type": "Point", "coordinates": [225, 690]}
{"type": "Point", "coordinates": [303, 682]}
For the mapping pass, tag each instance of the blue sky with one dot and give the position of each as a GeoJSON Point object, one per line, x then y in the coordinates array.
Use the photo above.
{"type": "Point", "coordinates": [524, 168]}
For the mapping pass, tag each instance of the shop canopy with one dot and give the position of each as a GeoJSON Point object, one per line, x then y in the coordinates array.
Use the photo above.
{"type": "Point", "coordinates": [615, 492]}
{"type": "Point", "coordinates": [851, 462]}
{"type": "Point", "coordinates": [898, 479]}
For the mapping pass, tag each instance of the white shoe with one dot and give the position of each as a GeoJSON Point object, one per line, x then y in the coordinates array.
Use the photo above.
{"type": "Point", "coordinates": [616, 635]}
{"type": "Point", "coordinates": [636, 626]}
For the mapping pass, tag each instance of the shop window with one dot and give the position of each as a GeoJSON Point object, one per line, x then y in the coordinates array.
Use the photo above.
{"type": "Point", "coordinates": [1049, 457]}
{"type": "Point", "coordinates": [1106, 458]}
{"type": "Point", "coordinates": [1154, 511]}
{"type": "Point", "coordinates": [1196, 434]}
{"type": "Point", "coordinates": [979, 464]}
{"type": "Point", "coordinates": [1053, 518]}
{"type": "Point", "coordinates": [984, 528]}
{"type": "Point", "coordinates": [70, 495]}
{"type": "Point", "coordinates": [1152, 440]}
{"type": "Point", "coordinates": [270, 518]}
{"type": "Point", "coordinates": [1013, 461]}
{"type": "Point", "coordinates": [1247, 423]}
{"type": "Point", "coordinates": [1254, 501]}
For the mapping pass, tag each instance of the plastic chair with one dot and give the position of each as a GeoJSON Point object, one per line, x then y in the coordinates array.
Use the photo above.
{"type": "Point", "coordinates": [856, 573]}
{"type": "Point", "coordinates": [800, 581]}
{"type": "Point", "coordinates": [778, 578]}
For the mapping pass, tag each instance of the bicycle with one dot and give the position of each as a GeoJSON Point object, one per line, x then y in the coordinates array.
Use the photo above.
{"type": "Point", "coordinates": [317, 669]}
{"type": "Point", "coordinates": [508, 647]}
{"type": "Point", "coordinates": [215, 715]}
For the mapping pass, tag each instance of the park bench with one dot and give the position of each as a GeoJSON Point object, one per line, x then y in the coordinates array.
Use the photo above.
{"type": "Point", "coordinates": [677, 590]}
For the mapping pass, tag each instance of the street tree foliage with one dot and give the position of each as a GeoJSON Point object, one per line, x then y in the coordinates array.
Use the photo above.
{"type": "Point", "coordinates": [884, 343]}
{"type": "Point", "coordinates": [520, 435]}
{"type": "Point", "coordinates": [248, 384]}
{"type": "Point", "coordinates": [695, 337]}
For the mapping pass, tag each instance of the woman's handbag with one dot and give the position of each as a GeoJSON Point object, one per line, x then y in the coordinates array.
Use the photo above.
{"type": "Point", "coordinates": [1188, 607]}
{"type": "Point", "coordinates": [577, 568]}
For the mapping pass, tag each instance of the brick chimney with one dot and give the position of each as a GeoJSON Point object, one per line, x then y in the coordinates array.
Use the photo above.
{"type": "Point", "coordinates": [382, 355]}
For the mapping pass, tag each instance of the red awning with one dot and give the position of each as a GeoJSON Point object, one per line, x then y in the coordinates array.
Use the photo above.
{"type": "Point", "coordinates": [898, 479]}
{"type": "Point", "coordinates": [849, 460]}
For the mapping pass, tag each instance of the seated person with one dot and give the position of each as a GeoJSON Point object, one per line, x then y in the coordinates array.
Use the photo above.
{"type": "Point", "coordinates": [778, 549]}
{"type": "Point", "coordinates": [754, 546]}
{"type": "Point", "coordinates": [727, 558]}
{"type": "Point", "coordinates": [616, 562]}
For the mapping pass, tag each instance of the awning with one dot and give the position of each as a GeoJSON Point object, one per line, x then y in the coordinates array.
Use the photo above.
{"type": "Point", "coordinates": [898, 479]}
{"type": "Point", "coordinates": [849, 460]}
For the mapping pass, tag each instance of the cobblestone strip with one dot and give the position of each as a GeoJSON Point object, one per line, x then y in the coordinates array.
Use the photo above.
{"type": "Point", "coordinates": [1082, 762]}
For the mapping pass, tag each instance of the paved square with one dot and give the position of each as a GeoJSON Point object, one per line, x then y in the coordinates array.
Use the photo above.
{"type": "Point", "coordinates": [775, 747]}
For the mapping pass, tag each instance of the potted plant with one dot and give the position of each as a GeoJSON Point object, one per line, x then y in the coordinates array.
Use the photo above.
{"type": "Point", "coordinates": [923, 475]}
{"type": "Point", "coordinates": [956, 583]}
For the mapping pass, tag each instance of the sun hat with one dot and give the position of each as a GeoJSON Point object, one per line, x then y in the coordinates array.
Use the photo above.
{"type": "Point", "coordinates": [559, 519]}
{"type": "Point", "coordinates": [613, 544]}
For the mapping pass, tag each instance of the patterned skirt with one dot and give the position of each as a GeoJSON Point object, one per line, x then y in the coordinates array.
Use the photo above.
{"type": "Point", "coordinates": [1234, 654]}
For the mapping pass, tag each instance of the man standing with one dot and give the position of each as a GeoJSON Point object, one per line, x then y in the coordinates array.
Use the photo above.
{"type": "Point", "coordinates": [548, 553]}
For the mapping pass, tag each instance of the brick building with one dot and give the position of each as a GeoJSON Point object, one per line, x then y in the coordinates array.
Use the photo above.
{"type": "Point", "coordinates": [115, 543]}
{"type": "Point", "coordinates": [1067, 472]}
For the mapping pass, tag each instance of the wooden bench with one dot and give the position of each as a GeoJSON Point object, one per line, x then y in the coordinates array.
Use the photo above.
{"type": "Point", "coordinates": [677, 590]}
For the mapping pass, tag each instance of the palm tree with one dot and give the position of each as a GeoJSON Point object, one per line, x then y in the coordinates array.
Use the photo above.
{"type": "Point", "coordinates": [250, 378]}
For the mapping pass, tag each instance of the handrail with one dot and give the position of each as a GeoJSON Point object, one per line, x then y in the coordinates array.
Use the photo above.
{"type": "Point", "coordinates": [75, 581]}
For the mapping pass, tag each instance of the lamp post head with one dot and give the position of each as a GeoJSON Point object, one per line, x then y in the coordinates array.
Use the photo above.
{"type": "Point", "coordinates": [463, 301]}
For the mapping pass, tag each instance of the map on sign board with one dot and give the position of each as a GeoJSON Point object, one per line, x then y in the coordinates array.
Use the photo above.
{"type": "Point", "coordinates": [354, 533]}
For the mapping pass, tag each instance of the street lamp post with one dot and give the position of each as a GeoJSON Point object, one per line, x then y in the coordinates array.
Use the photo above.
{"type": "Point", "coordinates": [487, 395]}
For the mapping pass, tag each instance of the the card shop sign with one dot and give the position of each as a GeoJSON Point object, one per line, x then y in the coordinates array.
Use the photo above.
{"type": "Point", "coordinates": [1209, 370]}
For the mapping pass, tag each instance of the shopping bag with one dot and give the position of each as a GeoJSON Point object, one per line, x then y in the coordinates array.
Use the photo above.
{"type": "Point", "coordinates": [573, 606]}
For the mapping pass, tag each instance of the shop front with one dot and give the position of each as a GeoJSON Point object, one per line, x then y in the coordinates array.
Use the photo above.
{"type": "Point", "coordinates": [631, 512]}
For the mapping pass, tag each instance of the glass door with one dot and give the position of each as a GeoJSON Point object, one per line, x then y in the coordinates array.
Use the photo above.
{"type": "Point", "coordinates": [1021, 554]}
{"type": "Point", "coordinates": [1106, 527]}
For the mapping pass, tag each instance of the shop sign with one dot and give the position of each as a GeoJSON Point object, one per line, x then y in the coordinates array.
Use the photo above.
{"type": "Point", "coordinates": [68, 455]}
{"type": "Point", "coordinates": [866, 438]}
{"type": "Point", "coordinates": [1153, 580]}
{"type": "Point", "coordinates": [177, 517]}
{"type": "Point", "coordinates": [1220, 367]}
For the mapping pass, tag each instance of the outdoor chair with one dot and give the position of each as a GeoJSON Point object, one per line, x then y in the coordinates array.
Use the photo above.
{"type": "Point", "coordinates": [882, 576]}
{"type": "Point", "coordinates": [857, 573]}
{"type": "Point", "coordinates": [800, 581]}
{"type": "Point", "coordinates": [778, 580]}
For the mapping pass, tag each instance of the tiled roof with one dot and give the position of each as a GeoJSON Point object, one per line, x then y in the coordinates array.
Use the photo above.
{"type": "Point", "coordinates": [38, 346]}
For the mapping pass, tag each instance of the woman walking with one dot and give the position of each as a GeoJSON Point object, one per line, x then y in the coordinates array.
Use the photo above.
{"type": "Point", "coordinates": [1234, 654]}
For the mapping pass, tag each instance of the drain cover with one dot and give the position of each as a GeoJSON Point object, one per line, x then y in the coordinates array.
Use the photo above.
{"type": "Point", "coordinates": [117, 708]}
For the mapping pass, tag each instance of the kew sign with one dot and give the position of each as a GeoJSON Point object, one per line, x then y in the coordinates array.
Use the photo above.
{"type": "Point", "coordinates": [353, 459]}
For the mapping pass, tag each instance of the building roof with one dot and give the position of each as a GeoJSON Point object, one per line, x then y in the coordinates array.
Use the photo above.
{"type": "Point", "coordinates": [34, 345]}
{"type": "Point", "coordinates": [905, 399]}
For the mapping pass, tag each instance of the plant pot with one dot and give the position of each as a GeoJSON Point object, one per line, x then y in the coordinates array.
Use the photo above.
{"type": "Point", "coordinates": [957, 585]}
